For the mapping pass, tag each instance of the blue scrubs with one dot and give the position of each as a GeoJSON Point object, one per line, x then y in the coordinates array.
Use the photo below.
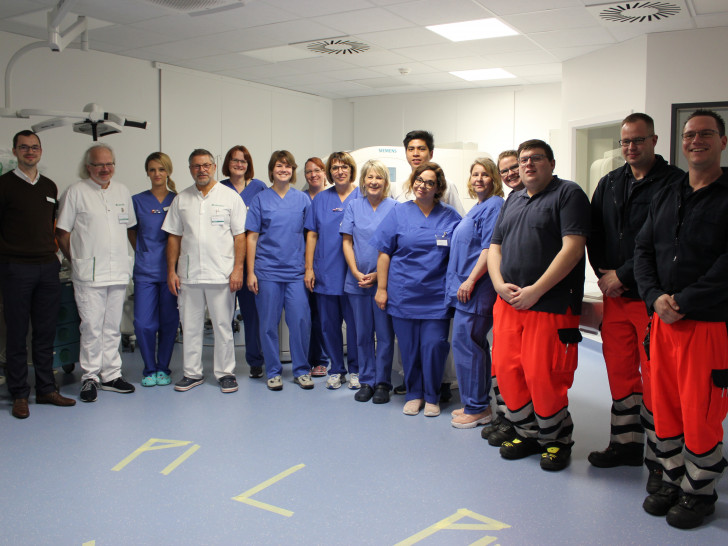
{"type": "Point", "coordinates": [419, 247]}
{"type": "Point", "coordinates": [246, 299]}
{"type": "Point", "coordinates": [156, 317]}
{"type": "Point", "coordinates": [316, 354]}
{"type": "Point", "coordinates": [473, 319]}
{"type": "Point", "coordinates": [279, 266]}
{"type": "Point", "coordinates": [329, 266]}
{"type": "Point", "coordinates": [375, 361]}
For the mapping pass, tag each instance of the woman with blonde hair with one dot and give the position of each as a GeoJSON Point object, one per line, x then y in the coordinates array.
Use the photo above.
{"type": "Point", "coordinates": [470, 293]}
{"type": "Point", "coordinates": [156, 317]}
{"type": "Point", "coordinates": [361, 218]}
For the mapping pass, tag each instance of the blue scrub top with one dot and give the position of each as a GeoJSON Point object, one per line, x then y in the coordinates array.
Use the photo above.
{"type": "Point", "coordinates": [253, 188]}
{"type": "Point", "coordinates": [150, 258]}
{"type": "Point", "coordinates": [360, 221]}
{"type": "Point", "coordinates": [280, 253]}
{"type": "Point", "coordinates": [416, 281]}
{"type": "Point", "coordinates": [324, 218]}
{"type": "Point", "coordinates": [469, 239]}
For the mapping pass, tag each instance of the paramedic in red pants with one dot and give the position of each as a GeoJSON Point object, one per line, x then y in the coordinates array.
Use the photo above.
{"type": "Point", "coordinates": [681, 267]}
{"type": "Point", "coordinates": [536, 262]}
{"type": "Point", "coordinates": [619, 208]}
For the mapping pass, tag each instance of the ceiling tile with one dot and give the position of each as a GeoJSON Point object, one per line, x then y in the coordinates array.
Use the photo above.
{"type": "Point", "coordinates": [715, 20]}
{"type": "Point", "coordinates": [706, 7]}
{"type": "Point", "coordinates": [555, 19]}
{"type": "Point", "coordinates": [448, 50]}
{"type": "Point", "coordinates": [435, 12]}
{"type": "Point", "coordinates": [182, 25]}
{"type": "Point", "coordinates": [463, 63]}
{"type": "Point", "coordinates": [509, 7]}
{"type": "Point", "coordinates": [365, 20]}
{"type": "Point", "coordinates": [316, 8]}
{"type": "Point", "coordinates": [403, 37]}
{"type": "Point", "coordinates": [576, 37]}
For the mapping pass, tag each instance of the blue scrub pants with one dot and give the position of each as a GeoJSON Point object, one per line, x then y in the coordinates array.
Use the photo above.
{"type": "Point", "coordinates": [471, 352]}
{"type": "Point", "coordinates": [272, 298]}
{"type": "Point", "coordinates": [333, 311]}
{"type": "Point", "coordinates": [156, 319]}
{"type": "Point", "coordinates": [424, 347]}
{"type": "Point", "coordinates": [375, 362]}
{"type": "Point", "coordinates": [251, 324]}
{"type": "Point", "coordinates": [316, 354]}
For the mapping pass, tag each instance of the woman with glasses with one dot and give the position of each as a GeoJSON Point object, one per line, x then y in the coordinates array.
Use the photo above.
{"type": "Point", "coordinates": [238, 166]}
{"type": "Point", "coordinates": [414, 245]}
{"type": "Point", "coordinates": [470, 293]}
{"type": "Point", "coordinates": [156, 317]}
{"type": "Point", "coordinates": [275, 264]}
{"type": "Point", "coordinates": [315, 172]}
{"type": "Point", "coordinates": [361, 218]}
{"type": "Point", "coordinates": [326, 267]}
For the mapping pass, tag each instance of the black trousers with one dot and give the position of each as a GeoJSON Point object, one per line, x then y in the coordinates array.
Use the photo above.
{"type": "Point", "coordinates": [31, 294]}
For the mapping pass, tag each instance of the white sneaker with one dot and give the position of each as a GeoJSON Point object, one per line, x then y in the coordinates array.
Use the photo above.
{"type": "Point", "coordinates": [334, 381]}
{"type": "Point", "coordinates": [354, 381]}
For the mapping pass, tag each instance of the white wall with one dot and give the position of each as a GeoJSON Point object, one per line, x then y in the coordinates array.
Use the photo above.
{"type": "Point", "coordinates": [495, 119]}
{"type": "Point", "coordinates": [68, 81]}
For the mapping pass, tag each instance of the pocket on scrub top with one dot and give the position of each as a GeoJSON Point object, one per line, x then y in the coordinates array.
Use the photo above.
{"type": "Point", "coordinates": [84, 269]}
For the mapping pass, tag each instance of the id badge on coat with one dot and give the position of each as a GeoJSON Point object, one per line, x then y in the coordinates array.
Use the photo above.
{"type": "Point", "coordinates": [442, 240]}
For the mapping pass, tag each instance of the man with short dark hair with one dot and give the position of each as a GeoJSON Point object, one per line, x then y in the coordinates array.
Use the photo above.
{"type": "Point", "coordinates": [681, 268]}
{"type": "Point", "coordinates": [205, 257]}
{"type": "Point", "coordinates": [619, 209]}
{"type": "Point", "coordinates": [536, 262]}
{"type": "Point", "coordinates": [29, 275]}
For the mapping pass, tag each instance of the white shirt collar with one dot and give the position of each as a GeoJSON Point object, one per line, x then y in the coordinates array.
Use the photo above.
{"type": "Point", "coordinates": [22, 175]}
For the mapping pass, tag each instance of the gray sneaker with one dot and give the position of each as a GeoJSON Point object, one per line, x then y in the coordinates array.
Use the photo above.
{"type": "Point", "coordinates": [228, 383]}
{"type": "Point", "coordinates": [354, 381]}
{"type": "Point", "coordinates": [275, 383]}
{"type": "Point", "coordinates": [187, 383]}
{"type": "Point", "coordinates": [334, 381]}
{"type": "Point", "coordinates": [304, 381]}
{"type": "Point", "coordinates": [89, 391]}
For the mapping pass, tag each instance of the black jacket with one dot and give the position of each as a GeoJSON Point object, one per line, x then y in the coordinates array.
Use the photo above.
{"type": "Point", "coordinates": [616, 218]}
{"type": "Point", "coordinates": [683, 249]}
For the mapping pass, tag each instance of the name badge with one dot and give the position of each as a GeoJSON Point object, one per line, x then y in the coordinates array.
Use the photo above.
{"type": "Point", "coordinates": [217, 220]}
{"type": "Point", "coordinates": [124, 218]}
{"type": "Point", "coordinates": [442, 240]}
{"type": "Point", "coordinates": [51, 200]}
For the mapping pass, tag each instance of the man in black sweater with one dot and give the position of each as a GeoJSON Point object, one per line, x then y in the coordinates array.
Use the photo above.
{"type": "Point", "coordinates": [681, 268]}
{"type": "Point", "coordinates": [619, 209]}
{"type": "Point", "coordinates": [29, 275]}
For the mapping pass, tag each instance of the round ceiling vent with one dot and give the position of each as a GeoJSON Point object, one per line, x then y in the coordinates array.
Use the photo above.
{"type": "Point", "coordinates": [639, 12]}
{"type": "Point", "coordinates": [338, 47]}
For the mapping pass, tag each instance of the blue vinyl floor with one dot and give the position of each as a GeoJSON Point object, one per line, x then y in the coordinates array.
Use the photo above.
{"type": "Point", "coordinates": [159, 467]}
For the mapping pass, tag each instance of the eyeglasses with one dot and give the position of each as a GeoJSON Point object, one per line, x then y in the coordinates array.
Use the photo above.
{"type": "Point", "coordinates": [535, 158]}
{"type": "Point", "coordinates": [99, 165]}
{"type": "Point", "coordinates": [238, 161]}
{"type": "Point", "coordinates": [202, 167]}
{"type": "Point", "coordinates": [705, 133]}
{"type": "Point", "coordinates": [639, 141]}
{"type": "Point", "coordinates": [25, 148]}
{"type": "Point", "coordinates": [340, 168]}
{"type": "Point", "coordinates": [429, 184]}
{"type": "Point", "coordinates": [313, 171]}
{"type": "Point", "coordinates": [512, 169]}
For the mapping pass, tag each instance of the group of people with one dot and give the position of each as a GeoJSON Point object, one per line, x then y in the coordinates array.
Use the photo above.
{"type": "Point", "coordinates": [409, 268]}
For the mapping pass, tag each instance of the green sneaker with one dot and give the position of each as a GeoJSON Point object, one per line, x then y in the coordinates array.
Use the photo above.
{"type": "Point", "coordinates": [163, 378]}
{"type": "Point", "coordinates": [149, 381]}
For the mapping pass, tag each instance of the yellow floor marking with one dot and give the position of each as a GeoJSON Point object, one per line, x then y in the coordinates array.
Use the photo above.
{"type": "Point", "coordinates": [89, 543]}
{"type": "Point", "coordinates": [154, 444]}
{"type": "Point", "coordinates": [245, 497]}
{"type": "Point", "coordinates": [179, 460]}
{"type": "Point", "coordinates": [448, 523]}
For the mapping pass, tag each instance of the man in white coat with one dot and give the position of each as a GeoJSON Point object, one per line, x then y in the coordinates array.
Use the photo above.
{"type": "Point", "coordinates": [205, 257]}
{"type": "Point", "coordinates": [94, 215]}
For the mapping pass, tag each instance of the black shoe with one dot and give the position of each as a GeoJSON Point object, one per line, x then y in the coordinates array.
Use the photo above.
{"type": "Point", "coordinates": [228, 383]}
{"type": "Point", "coordinates": [187, 383]}
{"type": "Point", "coordinates": [256, 372]}
{"type": "Point", "coordinates": [364, 394]}
{"type": "Point", "coordinates": [618, 455]}
{"type": "Point", "coordinates": [518, 447]}
{"type": "Point", "coordinates": [556, 456]}
{"type": "Point", "coordinates": [654, 480]}
{"type": "Point", "coordinates": [491, 427]}
{"type": "Point", "coordinates": [690, 511]}
{"type": "Point", "coordinates": [504, 433]}
{"type": "Point", "coordinates": [401, 389]}
{"type": "Point", "coordinates": [89, 390]}
{"type": "Point", "coordinates": [445, 393]}
{"type": "Point", "coordinates": [659, 504]}
{"type": "Point", "coordinates": [118, 385]}
{"type": "Point", "coordinates": [381, 394]}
